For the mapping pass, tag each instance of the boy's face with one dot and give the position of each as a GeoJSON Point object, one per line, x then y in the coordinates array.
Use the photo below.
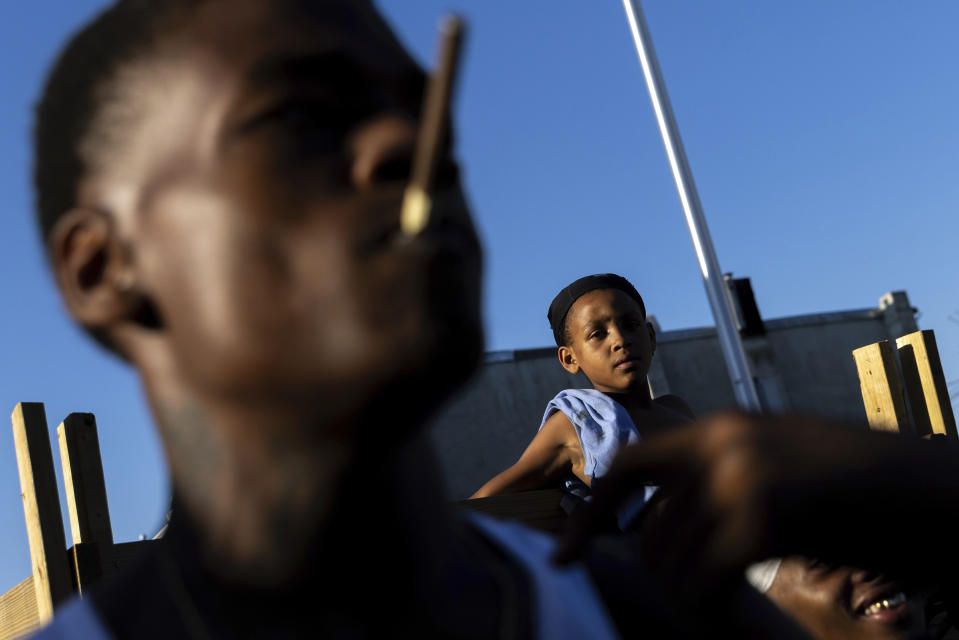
{"type": "Point", "coordinates": [610, 341]}
{"type": "Point", "coordinates": [844, 602]}
{"type": "Point", "coordinates": [258, 191]}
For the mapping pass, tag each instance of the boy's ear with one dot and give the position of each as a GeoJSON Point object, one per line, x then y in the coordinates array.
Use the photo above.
{"type": "Point", "coordinates": [652, 337]}
{"type": "Point", "coordinates": [568, 359]}
{"type": "Point", "coordinates": [94, 273]}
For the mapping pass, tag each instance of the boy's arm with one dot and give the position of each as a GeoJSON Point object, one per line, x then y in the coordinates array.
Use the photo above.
{"type": "Point", "coordinates": [554, 450]}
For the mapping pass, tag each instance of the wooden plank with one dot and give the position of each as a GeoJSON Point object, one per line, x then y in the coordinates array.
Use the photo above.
{"type": "Point", "coordinates": [881, 390]}
{"type": "Point", "coordinates": [83, 480]}
{"type": "Point", "coordinates": [926, 384]}
{"type": "Point", "coordinates": [538, 509]}
{"type": "Point", "coordinates": [18, 610]}
{"type": "Point", "coordinates": [41, 508]}
{"type": "Point", "coordinates": [913, 386]}
{"type": "Point", "coordinates": [122, 555]}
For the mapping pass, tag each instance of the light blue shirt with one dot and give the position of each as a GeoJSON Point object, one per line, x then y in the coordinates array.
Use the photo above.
{"type": "Point", "coordinates": [565, 603]}
{"type": "Point", "coordinates": [602, 425]}
{"type": "Point", "coordinates": [75, 619]}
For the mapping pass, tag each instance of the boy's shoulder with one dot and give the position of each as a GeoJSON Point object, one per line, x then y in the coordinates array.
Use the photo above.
{"type": "Point", "coordinates": [585, 406]}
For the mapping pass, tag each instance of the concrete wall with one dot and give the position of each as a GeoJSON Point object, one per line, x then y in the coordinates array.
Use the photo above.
{"type": "Point", "coordinates": [802, 364]}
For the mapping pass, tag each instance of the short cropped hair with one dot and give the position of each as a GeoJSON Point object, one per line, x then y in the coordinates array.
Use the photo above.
{"type": "Point", "coordinates": [74, 95]}
{"type": "Point", "coordinates": [78, 89]}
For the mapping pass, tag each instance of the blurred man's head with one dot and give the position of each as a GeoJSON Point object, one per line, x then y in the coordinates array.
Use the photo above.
{"type": "Point", "coordinates": [219, 184]}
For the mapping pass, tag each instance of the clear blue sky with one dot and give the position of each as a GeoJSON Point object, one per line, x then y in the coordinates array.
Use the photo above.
{"type": "Point", "coordinates": [824, 138]}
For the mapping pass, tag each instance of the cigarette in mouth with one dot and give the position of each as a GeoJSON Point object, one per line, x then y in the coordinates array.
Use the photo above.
{"type": "Point", "coordinates": [415, 215]}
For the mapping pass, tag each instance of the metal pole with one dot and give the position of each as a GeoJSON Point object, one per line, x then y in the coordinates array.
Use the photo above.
{"type": "Point", "coordinates": [729, 339]}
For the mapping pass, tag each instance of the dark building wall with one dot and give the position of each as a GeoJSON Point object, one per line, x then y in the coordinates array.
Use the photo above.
{"type": "Point", "coordinates": [816, 364]}
{"type": "Point", "coordinates": [694, 370]}
{"type": "Point", "coordinates": [488, 426]}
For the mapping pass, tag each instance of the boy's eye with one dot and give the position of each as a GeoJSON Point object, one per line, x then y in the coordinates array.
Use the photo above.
{"type": "Point", "coordinates": [597, 335]}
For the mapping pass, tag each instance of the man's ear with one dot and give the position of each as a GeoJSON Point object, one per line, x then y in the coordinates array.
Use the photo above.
{"type": "Point", "coordinates": [94, 272]}
{"type": "Point", "coordinates": [568, 359]}
{"type": "Point", "coordinates": [652, 337]}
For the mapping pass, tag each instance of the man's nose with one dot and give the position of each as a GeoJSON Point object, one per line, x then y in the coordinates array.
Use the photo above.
{"type": "Point", "coordinates": [383, 152]}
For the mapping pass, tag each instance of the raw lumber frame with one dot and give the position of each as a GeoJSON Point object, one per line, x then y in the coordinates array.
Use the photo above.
{"type": "Point", "coordinates": [59, 573]}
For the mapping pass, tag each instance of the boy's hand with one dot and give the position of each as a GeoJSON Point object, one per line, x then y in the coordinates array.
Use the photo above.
{"type": "Point", "coordinates": [740, 488]}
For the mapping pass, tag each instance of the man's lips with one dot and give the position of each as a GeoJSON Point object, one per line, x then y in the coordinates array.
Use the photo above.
{"type": "Point", "coordinates": [886, 604]}
{"type": "Point", "coordinates": [445, 233]}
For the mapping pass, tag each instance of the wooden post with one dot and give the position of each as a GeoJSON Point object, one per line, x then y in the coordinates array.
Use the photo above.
{"type": "Point", "coordinates": [87, 507]}
{"type": "Point", "coordinates": [926, 384]}
{"type": "Point", "coordinates": [881, 389]}
{"type": "Point", "coordinates": [41, 508]}
{"type": "Point", "coordinates": [83, 479]}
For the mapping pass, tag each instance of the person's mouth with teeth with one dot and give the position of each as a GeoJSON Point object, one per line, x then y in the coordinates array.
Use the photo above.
{"type": "Point", "coordinates": [887, 606]}
{"type": "Point", "coordinates": [832, 601]}
{"type": "Point", "coordinates": [892, 604]}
